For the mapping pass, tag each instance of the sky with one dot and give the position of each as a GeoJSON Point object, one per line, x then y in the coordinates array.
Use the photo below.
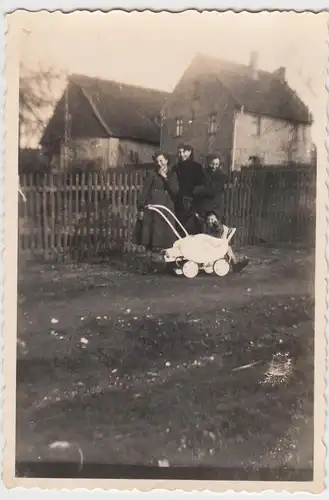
{"type": "Point", "coordinates": [154, 49]}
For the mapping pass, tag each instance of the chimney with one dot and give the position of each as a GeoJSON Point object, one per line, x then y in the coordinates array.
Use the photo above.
{"type": "Point", "coordinates": [280, 73]}
{"type": "Point", "coordinates": [253, 64]}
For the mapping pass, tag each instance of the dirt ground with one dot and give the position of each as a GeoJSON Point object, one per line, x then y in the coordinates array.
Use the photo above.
{"type": "Point", "coordinates": [118, 370]}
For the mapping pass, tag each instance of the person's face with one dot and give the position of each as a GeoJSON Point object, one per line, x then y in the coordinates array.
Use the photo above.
{"type": "Point", "coordinates": [212, 220]}
{"type": "Point", "coordinates": [215, 164]}
{"type": "Point", "coordinates": [162, 162]}
{"type": "Point", "coordinates": [183, 154]}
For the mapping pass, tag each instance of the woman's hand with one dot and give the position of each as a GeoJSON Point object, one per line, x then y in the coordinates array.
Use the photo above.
{"type": "Point", "coordinates": [140, 215]}
{"type": "Point", "coordinates": [163, 171]}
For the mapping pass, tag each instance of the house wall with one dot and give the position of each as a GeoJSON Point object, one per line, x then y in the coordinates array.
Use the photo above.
{"type": "Point", "coordinates": [88, 139]}
{"type": "Point", "coordinates": [275, 143]}
{"type": "Point", "coordinates": [107, 153]}
{"type": "Point", "coordinates": [212, 97]}
{"type": "Point", "coordinates": [102, 152]}
{"type": "Point", "coordinates": [83, 128]}
{"type": "Point", "coordinates": [134, 152]}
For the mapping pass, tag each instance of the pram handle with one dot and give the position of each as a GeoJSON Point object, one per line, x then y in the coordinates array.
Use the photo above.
{"type": "Point", "coordinates": [158, 208]}
{"type": "Point", "coordinates": [232, 233]}
{"type": "Point", "coordinates": [22, 195]}
{"type": "Point", "coordinates": [155, 209]}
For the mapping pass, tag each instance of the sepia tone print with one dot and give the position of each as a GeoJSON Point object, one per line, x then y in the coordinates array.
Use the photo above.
{"type": "Point", "coordinates": [167, 178]}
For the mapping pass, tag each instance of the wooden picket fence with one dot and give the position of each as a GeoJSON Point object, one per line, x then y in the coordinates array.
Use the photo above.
{"type": "Point", "coordinates": [82, 216]}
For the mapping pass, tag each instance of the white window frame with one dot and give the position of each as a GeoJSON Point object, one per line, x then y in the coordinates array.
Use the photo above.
{"type": "Point", "coordinates": [212, 124]}
{"type": "Point", "coordinates": [179, 130]}
{"type": "Point", "coordinates": [257, 125]}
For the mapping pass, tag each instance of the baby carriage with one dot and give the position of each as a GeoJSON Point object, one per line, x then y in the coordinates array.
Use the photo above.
{"type": "Point", "coordinates": [192, 253]}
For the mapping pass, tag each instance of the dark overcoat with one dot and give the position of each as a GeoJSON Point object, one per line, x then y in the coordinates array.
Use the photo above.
{"type": "Point", "coordinates": [190, 175]}
{"type": "Point", "coordinates": [211, 195]}
{"type": "Point", "coordinates": [153, 231]}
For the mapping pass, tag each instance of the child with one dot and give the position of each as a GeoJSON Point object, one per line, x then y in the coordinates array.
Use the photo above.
{"type": "Point", "coordinates": [215, 228]}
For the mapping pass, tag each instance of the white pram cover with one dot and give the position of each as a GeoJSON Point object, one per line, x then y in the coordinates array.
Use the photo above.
{"type": "Point", "coordinates": [200, 248]}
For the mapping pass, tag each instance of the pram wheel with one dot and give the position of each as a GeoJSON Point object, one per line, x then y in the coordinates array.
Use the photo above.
{"type": "Point", "coordinates": [190, 269]}
{"type": "Point", "coordinates": [208, 268]}
{"type": "Point", "coordinates": [221, 267]}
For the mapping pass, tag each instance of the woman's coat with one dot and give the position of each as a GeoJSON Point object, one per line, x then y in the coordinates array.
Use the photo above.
{"type": "Point", "coordinates": [211, 195]}
{"type": "Point", "coordinates": [153, 231]}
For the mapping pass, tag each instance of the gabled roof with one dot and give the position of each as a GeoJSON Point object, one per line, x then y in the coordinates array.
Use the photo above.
{"type": "Point", "coordinates": [266, 94]}
{"type": "Point", "coordinates": [125, 111]}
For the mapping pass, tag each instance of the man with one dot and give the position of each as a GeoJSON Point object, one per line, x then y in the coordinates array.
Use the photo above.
{"type": "Point", "coordinates": [254, 161]}
{"type": "Point", "coordinates": [190, 176]}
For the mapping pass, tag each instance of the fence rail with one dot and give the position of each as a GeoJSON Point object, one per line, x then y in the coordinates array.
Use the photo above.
{"type": "Point", "coordinates": [83, 215]}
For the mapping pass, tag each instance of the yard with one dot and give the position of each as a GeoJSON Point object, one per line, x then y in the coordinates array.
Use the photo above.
{"type": "Point", "coordinates": [118, 370]}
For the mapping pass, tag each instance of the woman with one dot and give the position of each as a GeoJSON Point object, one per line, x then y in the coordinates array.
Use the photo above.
{"type": "Point", "coordinates": [160, 188]}
{"type": "Point", "coordinates": [210, 206]}
{"type": "Point", "coordinates": [211, 195]}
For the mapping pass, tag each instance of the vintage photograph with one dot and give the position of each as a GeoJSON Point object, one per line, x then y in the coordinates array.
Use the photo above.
{"type": "Point", "coordinates": [169, 192]}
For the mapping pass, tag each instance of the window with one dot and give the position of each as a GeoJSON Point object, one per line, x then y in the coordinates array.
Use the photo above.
{"type": "Point", "coordinates": [212, 126]}
{"type": "Point", "coordinates": [196, 90]}
{"type": "Point", "coordinates": [192, 119]}
{"type": "Point", "coordinates": [293, 134]}
{"type": "Point", "coordinates": [179, 127]}
{"type": "Point", "coordinates": [302, 129]}
{"type": "Point", "coordinates": [256, 126]}
{"type": "Point", "coordinates": [134, 157]}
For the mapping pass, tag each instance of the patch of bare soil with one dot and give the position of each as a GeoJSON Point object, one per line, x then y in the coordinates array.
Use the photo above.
{"type": "Point", "coordinates": [124, 370]}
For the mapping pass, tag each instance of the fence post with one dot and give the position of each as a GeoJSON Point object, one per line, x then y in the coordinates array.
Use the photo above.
{"type": "Point", "coordinates": [67, 196]}
{"type": "Point", "coordinates": [96, 233]}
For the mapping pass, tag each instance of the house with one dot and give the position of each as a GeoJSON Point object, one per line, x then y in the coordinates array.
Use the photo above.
{"type": "Point", "coordinates": [103, 123]}
{"type": "Point", "coordinates": [238, 111]}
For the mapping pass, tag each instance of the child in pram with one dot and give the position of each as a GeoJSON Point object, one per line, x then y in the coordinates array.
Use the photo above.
{"type": "Point", "coordinates": [209, 250]}
{"type": "Point", "coordinates": [215, 228]}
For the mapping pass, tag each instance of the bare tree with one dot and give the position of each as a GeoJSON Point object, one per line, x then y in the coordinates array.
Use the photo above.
{"type": "Point", "coordinates": [38, 94]}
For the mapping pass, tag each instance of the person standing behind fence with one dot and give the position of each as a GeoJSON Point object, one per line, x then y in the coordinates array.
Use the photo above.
{"type": "Point", "coordinates": [190, 175]}
{"type": "Point", "coordinates": [160, 188]}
